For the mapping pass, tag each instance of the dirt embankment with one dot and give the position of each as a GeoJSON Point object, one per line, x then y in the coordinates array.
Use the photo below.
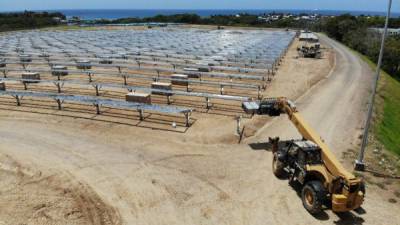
{"type": "Point", "coordinates": [32, 197]}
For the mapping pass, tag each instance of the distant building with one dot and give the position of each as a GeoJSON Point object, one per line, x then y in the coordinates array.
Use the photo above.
{"type": "Point", "coordinates": [391, 31]}
{"type": "Point", "coordinates": [57, 19]}
{"type": "Point", "coordinates": [275, 17]}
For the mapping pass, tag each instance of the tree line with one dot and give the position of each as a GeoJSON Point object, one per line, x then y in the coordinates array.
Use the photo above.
{"type": "Point", "coordinates": [29, 20]}
{"type": "Point", "coordinates": [359, 34]}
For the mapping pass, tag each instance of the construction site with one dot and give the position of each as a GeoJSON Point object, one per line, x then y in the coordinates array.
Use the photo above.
{"type": "Point", "coordinates": [169, 125]}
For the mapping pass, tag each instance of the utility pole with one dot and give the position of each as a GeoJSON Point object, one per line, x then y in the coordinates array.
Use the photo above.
{"type": "Point", "coordinates": [359, 164]}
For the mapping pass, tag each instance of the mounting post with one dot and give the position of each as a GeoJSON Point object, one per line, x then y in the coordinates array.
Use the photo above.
{"type": "Point", "coordinates": [90, 77]}
{"type": "Point", "coordinates": [187, 119]}
{"type": "Point", "coordinates": [18, 100]}
{"type": "Point", "coordinates": [59, 103]}
{"type": "Point", "coordinates": [97, 108]}
{"type": "Point", "coordinates": [97, 88]}
{"type": "Point", "coordinates": [208, 103]}
{"type": "Point", "coordinates": [5, 73]}
{"type": "Point", "coordinates": [168, 99]}
{"type": "Point", "coordinates": [25, 85]}
{"type": "Point", "coordinates": [273, 69]}
{"type": "Point", "coordinates": [125, 80]}
{"type": "Point", "coordinates": [141, 116]}
{"type": "Point", "coordinates": [58, 87]}
{"type": "Point", "coordinates": [238, 120]}
{"type": "Point", "coordinates": [264, 87]}
{"type": "Point", "coordinates": [269, 79]}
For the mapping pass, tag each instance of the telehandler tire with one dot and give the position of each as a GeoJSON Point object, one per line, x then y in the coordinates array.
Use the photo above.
{"type": "Point", "coordinates": [278, 167]}
{"type": "Point", "coordinates": [313, 196]}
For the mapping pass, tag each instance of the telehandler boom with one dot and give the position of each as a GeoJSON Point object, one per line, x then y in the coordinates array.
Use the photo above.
{"type": "Point", "coordinates": [310, 162]}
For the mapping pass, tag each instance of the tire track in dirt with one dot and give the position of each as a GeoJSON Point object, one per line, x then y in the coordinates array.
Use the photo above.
{"type": "Point", "coordinates": [98, 212]}
{"type": "Point", "coordinates": [223, 195]}
{"type": "Point", "coordinates": [55, 194]}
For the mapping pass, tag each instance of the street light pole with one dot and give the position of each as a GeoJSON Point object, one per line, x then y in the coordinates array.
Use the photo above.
{"type": "Point", "coordinates": [359, 164]}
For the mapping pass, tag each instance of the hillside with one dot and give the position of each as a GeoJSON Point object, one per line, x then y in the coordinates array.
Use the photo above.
{"type": "Point", "coordinates": [388, 123]}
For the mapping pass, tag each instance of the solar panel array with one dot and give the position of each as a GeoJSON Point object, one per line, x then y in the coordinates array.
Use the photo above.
{"type": "Point", "coordinates": [229, 65]}
{"type": "Point", "coordinates": [257, 47]}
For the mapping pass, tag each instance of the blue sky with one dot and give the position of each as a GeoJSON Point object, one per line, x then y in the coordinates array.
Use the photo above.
{"type": "Point", "coordinates": [361, 5]}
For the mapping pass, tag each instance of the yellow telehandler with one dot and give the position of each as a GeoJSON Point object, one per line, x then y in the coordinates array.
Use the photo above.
{"type": "Point", "coordinates": [310, 162]}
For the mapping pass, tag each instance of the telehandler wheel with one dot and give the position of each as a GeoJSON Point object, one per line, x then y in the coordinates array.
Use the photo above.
{"type": "Point", "coordinates": [278, 167]}
{"type": "Point", "coordinates": [313, 196]}
{"type": "Point", "coordinates": [362, 189]}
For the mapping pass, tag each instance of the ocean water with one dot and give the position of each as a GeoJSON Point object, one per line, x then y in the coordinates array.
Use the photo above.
{"type": "Point", "coordinates": [90, 14]}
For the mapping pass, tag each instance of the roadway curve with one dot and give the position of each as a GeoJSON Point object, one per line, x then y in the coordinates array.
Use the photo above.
{"type": "Point", "coordinates": [335, 106]}
{"type": "Point", "coordinates": [336, 109]}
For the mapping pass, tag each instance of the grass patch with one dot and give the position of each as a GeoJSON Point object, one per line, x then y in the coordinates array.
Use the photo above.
{"type": "Point", "coordinates": [386, 124]}
{"type": "Point", "coordinates": [388, 127]}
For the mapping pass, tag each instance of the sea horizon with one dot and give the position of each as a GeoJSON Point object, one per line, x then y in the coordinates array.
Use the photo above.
{"type": "Point", "coordinates": [91, 14]}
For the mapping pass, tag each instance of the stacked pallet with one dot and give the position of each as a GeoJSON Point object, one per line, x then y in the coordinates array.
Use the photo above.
{"type": "Point", "coordinates": [2, 86]}
{"type": "Point", "coordinates": [32, 77]}
{"type": "Point", "coordinates": [25, 58]}
{"type": "Point", "coordinates": [161, 86]}
{"type": "Point", "coordinates": [59, 71]}
{"type": "Point", "coordinates": [138, 97]}
{"type": "Point", "coordinates": [105, 60]}
{"type": "Point", "coordinates": [83, 65]}
{"type": "Point", "coordinates": [180, 79]}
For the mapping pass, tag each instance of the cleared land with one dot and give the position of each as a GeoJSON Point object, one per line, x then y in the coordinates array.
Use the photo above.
{"type": "Point", "coordinates": [131, 172]}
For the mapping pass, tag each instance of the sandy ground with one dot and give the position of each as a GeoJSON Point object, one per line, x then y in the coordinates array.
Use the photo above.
{"type": "Point", "coordinates": [33, 197]}
{"type": "Point", "coordinates": [295, 77]}
{"type": "Point", "coordinates": [73, 170]}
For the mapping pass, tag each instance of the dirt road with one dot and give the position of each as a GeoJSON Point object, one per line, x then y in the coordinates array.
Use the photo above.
{"type": "Point", "coordinates": [141, 176]}
{"type": "Point", "coordinates": [336, 107]}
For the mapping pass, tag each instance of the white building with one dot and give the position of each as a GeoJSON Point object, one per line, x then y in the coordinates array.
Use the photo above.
{"type": "Point", "coordinates": [391, 31]}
